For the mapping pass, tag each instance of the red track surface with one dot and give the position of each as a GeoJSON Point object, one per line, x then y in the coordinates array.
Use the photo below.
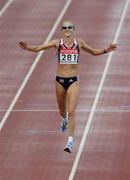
{"type": "Point", "coordinates": [31, 145]}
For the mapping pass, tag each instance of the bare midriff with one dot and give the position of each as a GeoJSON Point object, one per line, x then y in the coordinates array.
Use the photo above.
{"type": "Point", "coordinates": [67, 70]}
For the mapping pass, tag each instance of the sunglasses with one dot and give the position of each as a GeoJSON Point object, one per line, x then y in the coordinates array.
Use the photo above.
{"type": "Point", "coordinates": [67, 27]}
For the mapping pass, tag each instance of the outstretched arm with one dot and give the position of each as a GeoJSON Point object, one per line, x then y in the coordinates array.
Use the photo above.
{"type": "Point", "coordinates": [94, 51]}
{"type": "Point", "coordinates": [50, 44]}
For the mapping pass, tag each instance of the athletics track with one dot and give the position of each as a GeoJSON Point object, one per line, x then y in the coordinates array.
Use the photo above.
{"type": "Point", "coordinates": [31, 145]}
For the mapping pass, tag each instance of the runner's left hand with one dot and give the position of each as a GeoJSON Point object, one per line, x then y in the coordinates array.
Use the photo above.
{"type": "Point", "coordinates": [112, 47]}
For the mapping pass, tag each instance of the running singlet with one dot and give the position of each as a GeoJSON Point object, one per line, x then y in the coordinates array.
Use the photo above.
{"type": "Point", "coordinates": [68, 55]}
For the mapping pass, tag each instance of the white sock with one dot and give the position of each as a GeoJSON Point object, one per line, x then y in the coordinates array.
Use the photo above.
{"type": "Point", "coordinates": [70, 138]}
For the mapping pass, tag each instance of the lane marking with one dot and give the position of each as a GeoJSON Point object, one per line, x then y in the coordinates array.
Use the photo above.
{"type": "Point", "coordinates": [56, 110]}
{"type": "Point", "coordinates": [90, 118]}
{"type": "Point", "coordinates": [66, 6]}
{"type": "Point", "coordinates": [5, 7]}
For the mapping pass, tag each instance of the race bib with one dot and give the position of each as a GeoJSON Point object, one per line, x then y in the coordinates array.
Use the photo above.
{"type": "Point", "coordinates": [69, 57]}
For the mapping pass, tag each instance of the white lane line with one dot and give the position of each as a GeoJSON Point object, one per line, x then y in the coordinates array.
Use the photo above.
{"type": "Point", "coordinates": [78, 110]}
{"type": "Point", "coordinates": [63, 11]}
{"type": "Point", "coordinates": [5, 7]}
{"type": "Point", "coordinates": [90, 118]}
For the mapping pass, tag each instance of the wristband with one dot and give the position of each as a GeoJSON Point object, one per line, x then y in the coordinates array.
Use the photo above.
{"type": "Point", "coordinates": [105, 51]}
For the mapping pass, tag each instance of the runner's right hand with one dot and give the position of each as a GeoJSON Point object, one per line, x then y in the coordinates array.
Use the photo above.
{"type": "Point", "coordinates": [23, 45]}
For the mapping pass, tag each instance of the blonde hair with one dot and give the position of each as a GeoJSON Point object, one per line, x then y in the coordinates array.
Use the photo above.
{"type": "Point", "coordinates": [67, 21]}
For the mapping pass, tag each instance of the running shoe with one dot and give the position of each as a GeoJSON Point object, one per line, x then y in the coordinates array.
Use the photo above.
{"type": "Point", "coordinates": [68, 147]}
{"type": "Point", "coordinates": [64, 124]}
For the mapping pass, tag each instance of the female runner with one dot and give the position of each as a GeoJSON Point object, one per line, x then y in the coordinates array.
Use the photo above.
{"type": "Point", "coordinates": [67, 80]}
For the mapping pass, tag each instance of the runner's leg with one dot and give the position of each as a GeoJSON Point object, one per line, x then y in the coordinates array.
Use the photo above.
{"type": "Point", "coordinates": [61, 94]}
{"type": "Point", "coordinates": [73, 95]}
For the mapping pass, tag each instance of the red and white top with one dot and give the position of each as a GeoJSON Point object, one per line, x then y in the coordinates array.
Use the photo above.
{"type": "Point", "coordinates": [68, 55]}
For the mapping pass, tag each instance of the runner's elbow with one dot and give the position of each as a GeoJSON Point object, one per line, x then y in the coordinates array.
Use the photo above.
{"type": "Point", "coordinates": [94, 53]}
